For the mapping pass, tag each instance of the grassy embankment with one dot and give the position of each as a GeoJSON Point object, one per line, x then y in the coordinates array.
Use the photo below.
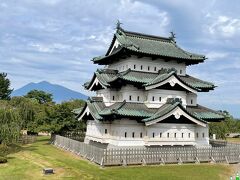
{"type": "Point", "coordinates": [28, 164]}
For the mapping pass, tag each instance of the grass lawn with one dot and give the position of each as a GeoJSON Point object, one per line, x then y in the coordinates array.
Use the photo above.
{"type": "Point", "coordinates": [235, 140]}
{"type": "Point", "coordinates": [28, 164]}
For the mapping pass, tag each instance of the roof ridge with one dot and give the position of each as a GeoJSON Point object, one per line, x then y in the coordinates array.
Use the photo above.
{"type": "Point", "coordinates": [127, 42]}
{"type": "Point", "coordinates": [115, 110]}
{"type": "Point", "coordinates": [211, 110]}
{"type": "Point", "coordinates": [168, 73]}
{"type": "Point", "coordinates": [164, 107]}
{"type": "Point", "coordinates": [146, 36]}
{"type": "Point", "coordinates": [206, 82]}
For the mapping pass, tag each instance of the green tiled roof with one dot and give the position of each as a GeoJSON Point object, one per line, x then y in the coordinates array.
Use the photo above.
{"type": "Point", "coordinates": [149, 45]}
{"type": "Point", "coordinates": [128, 109]}
{"type": "Point", "coordinates": [197, 83]}
{"type": "Point", "coordinates": [106, 77]}
{"type": "Point", "coordinates": [140, 111]}
{"type": "Point", "coordinates": [204, 113]}
{"type": "Point", "coordinates": [160, 78]}
{"type": "Point", "coordinates": [163, 110]}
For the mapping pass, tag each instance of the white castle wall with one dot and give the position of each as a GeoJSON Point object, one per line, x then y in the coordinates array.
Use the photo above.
{"type": "Point", "coordinates": [146, 64]}
{"type": "Point", "coordinates": [160, 96]}
{"type": "Point", "coordinates": [157, 134]}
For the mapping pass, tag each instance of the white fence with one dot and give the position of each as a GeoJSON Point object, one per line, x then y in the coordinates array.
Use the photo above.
{"type": "Point", "coordinates": [227, 153]}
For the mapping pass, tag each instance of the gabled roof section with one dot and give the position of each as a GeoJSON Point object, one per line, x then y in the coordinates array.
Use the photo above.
{"type": "Point", "coordinates": [102, 77]}
{"type": "Point", "coordinates": [169, 76]}
{"type": "Point", "coordinates": [107, 77]}
{"type": "Point", "coordinates": [93, 106]}
{"type": "Point", "coordinates": [147, 45]}
{"type": "Point", "coordinates": [172, 107]}
{"type": "Point", "coordinates": [98, 111]}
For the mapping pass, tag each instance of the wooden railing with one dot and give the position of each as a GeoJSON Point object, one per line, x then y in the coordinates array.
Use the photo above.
{"type": "Point", "coordinates": [228, 153]}
{"type": "Point", "coordinates": [27, 139]}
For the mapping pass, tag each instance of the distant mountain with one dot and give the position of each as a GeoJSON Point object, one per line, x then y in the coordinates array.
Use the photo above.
{"type": "Point", "coordinates": [60, 93]}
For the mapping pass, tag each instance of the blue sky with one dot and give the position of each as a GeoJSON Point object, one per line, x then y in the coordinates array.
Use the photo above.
{"type": "Point", "coordinates": [54, 40]}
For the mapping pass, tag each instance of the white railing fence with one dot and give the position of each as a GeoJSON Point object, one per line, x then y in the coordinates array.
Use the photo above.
{"type": "Point", "coordinates": [227, 153]}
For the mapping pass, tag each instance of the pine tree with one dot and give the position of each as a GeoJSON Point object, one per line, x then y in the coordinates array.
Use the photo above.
{"type": "Point", "coordinates": [5, 90]}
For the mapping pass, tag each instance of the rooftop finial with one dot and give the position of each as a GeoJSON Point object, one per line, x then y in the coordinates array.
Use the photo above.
{"type": "Point", "coordinates": [118, 25]}
{"type": "Point", "coordinates": [173, 36]}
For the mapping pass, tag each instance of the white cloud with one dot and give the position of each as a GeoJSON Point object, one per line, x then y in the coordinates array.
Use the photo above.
{"type": "Point", "coordinates": [223, 25]}
{"type": "Point", "coordinates": [215, 55]}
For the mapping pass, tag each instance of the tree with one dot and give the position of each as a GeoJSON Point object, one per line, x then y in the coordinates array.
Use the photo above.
{"type": "Point", "coordinates": [59, 118]}
{"type": "Point", "coordinates": [9, 126]}
{"type": "Point", "coordinates": [41, 96]}
{"type": "Point", "coordinates": [5, 90]}
{"type": "Point", "coordinates": [218, 128]}
{"type": "Point", "coordinates": [27, 109]}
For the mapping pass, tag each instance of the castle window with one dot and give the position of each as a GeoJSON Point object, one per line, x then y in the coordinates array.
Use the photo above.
{"type": "Point", "coordinates": [203, 135]}
{"type": "Point", "coordinates": [180, 71]}
{"type": "Point", "coordinates": [133, 134]}
{"type": "Point", "coordinates": [153, 135]}
{"type": "Point", "coordinates": [130, 98]}
{"type": "Point", "coordinates": [168, 135]}
{"type": "Point", "coordinates": [148, 68]}
{"type": "Point", "coordinates": [155, 68]}
{"type": "Point", "coordinates": [134, 66]}
{"type": "Point", "coordinates": [125, 134]}
{"type": "Point", "coordinates": [160, 99]}
{"type": "Point", "coordinates": [182, 135]}
{"type": "Point", "coordinates": [113, 98]}
{"type": "Point", "coordinates": [189, 135]}
{"type": "Point", "coordinates": [191, 101]}
{"type": "Point", "coordinates": [197, 135]}
{"type": "Point", "coordinates": [175, 135]}
{"type": "Point", "coordinates": [141, 135]}
{"type": "Point", "coordinates": [138, 98]}
{"type": "Point", "coordinates": [153, 98]}
{"type": "Point", "coordinates": [105, 131]}
{"type": "Point", "coordinates": [141, 67]}
{"type": "Point", "coordinates": [160, 135]}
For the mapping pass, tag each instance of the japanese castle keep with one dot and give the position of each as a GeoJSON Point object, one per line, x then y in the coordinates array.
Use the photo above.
{"type": "Point", "coordinates": [144, 96]}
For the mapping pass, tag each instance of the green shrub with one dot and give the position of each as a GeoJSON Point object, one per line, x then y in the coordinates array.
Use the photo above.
{"type": "Point", "coordinates": [4, 150]}
{"type": "Point", "coordinates": [3, 160]}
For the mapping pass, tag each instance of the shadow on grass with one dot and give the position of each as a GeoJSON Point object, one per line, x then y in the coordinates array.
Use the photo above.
{"type": "Point", "coordinates": [29, 148]}
{"type": "Point", "coordinates": [10, 157]}
{"type": "Point", "coordinates": [42, 139]}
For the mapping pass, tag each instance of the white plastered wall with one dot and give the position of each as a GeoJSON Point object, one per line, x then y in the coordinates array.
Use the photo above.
{"type": "Point", "coordinates": [144, 96]}
{"type": "Point", "coordinates": [191, 99]}
{"type": "Point", "coordinates": [171, 134]}
{"type": "Point", "coordinates": [146, 62]}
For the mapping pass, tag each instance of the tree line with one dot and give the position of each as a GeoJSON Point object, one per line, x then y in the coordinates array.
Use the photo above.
{"type": "Point", "coordinates": [34, 112]}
